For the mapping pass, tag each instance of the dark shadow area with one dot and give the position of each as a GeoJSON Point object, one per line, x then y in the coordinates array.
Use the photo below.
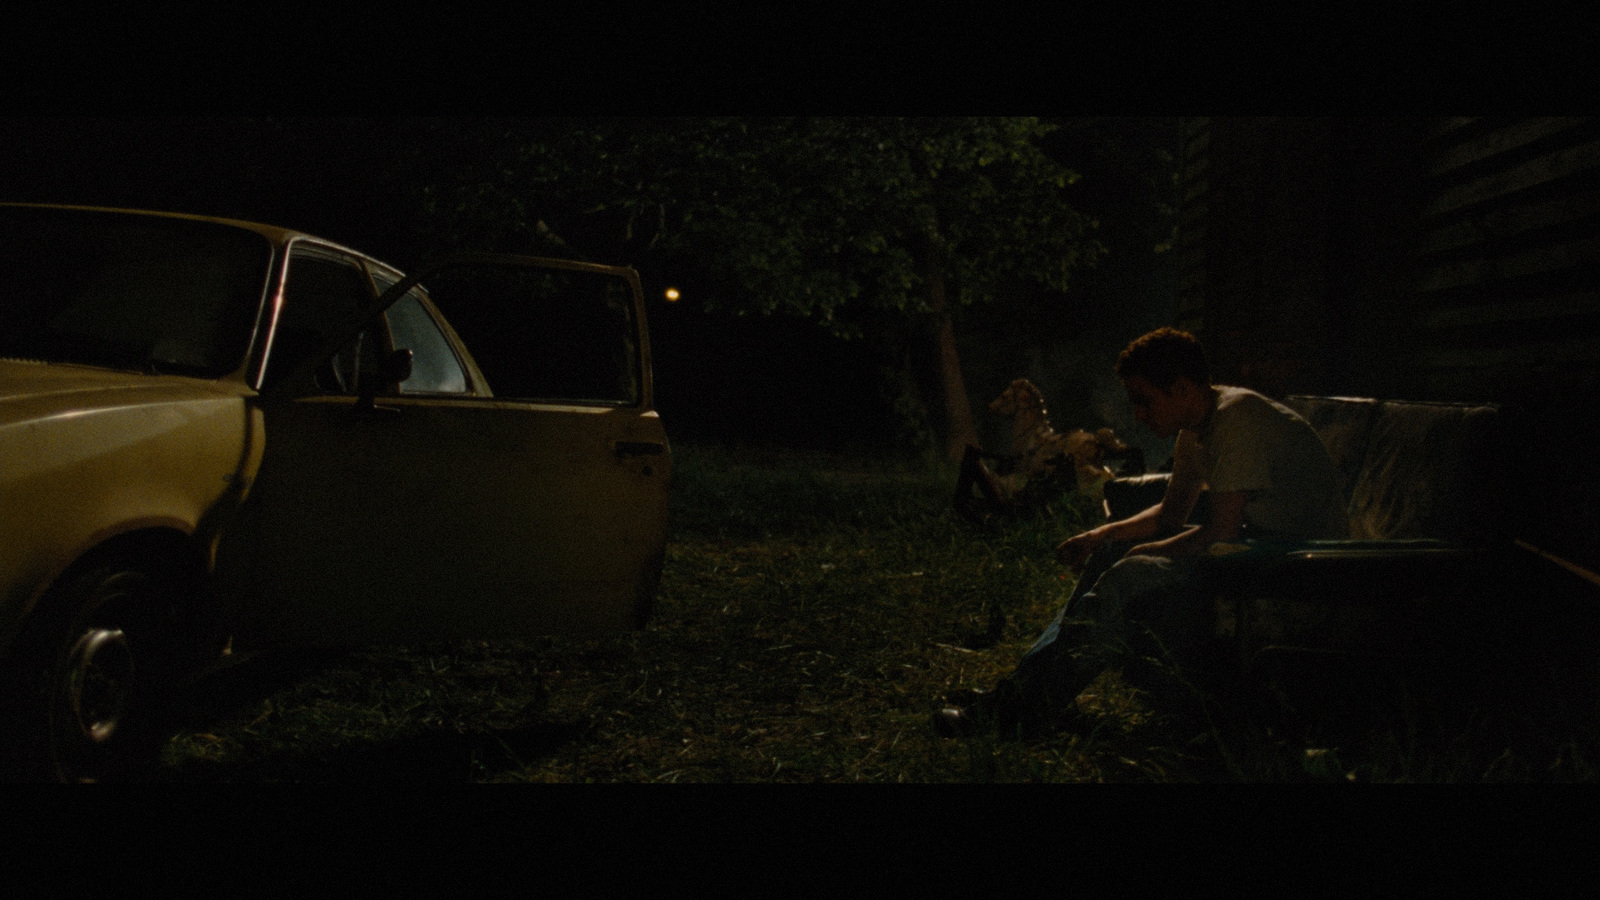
{"type": "Point", "coordinates": [434, 756]}
{"type": "Point", "coordinates": [444, 753]}
{"type": "Point", "coordinates": [232, 684]}
{"type": "Point", "coordinates": [1510, 697]}
{"type": "Point", "coordinates": [199, 702]}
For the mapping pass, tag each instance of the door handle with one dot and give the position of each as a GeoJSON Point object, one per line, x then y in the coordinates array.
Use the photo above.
{"type": "Point", "coordinates": [638, 448]}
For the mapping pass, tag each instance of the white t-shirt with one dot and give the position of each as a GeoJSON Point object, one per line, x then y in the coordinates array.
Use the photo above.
{"type": "Point", "coordinates": [1252, 444]}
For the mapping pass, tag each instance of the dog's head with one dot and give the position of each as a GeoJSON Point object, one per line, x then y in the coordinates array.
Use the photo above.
{"type": "Point", "coordinates": [1109, 442]}
{"type": "Point", "coordinates": [1021, 395]}
{"type": "Point", "coordinates": [1084, 447]}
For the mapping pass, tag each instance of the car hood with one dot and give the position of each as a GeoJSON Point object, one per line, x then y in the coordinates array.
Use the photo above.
{"type": "Point", "coordinates": [30, 389]}
{"type": "Point", "coordinates": [26, 379]}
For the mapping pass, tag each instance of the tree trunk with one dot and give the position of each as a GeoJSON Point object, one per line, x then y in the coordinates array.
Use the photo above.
{"type": "Point", "coordinates": [959, 431]}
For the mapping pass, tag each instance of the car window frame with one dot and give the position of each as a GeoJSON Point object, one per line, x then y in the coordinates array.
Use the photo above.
{"type": "Point", "coordinates": [641, 356]}
{"type": "Point", "coordinates": [642, 362]}
{"type": "Point", "coordinates": [477, 386]}
{"type": "Point", "coordinates": [306, 247]}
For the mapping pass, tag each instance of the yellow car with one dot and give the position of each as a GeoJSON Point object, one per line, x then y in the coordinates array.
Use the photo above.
{"type": "Point", "coordinates": [213, 428]}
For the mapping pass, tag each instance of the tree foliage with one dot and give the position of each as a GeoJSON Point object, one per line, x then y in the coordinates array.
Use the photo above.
{"type": "Point", "coordinates": [880, 225]}
{"type": "Point", "coordinates": [823, 217]}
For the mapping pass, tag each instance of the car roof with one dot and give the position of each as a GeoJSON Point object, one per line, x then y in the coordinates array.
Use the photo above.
{"type": "Point", "coordinates": [279, 236]}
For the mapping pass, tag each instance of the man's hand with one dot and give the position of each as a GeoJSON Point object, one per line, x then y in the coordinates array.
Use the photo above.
{"type": "Point", "coordinates": [1074, 551]}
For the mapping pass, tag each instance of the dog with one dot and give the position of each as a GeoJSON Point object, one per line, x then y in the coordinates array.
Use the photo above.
{"type": "Point", "coordinates": [1039, 455]}
{"type": "Point", "coordinates": [1039, 450]}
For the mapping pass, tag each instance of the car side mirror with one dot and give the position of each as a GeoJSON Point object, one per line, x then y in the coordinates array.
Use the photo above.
{"type": "Point", "coordinates": [392, 370]}
{"type": "Point", "coordinates": [396, 367]}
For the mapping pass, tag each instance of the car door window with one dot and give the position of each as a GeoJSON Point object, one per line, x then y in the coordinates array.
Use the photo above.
{"type": "Point", "coordinates": [554, 334]}
{"type": "Point", "coordinates": [434, 366]}
{"type": "Point", "coordinates": [322, 292]}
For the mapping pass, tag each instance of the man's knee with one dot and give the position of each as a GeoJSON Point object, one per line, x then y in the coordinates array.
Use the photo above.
{"type": "Point", "coordinates": [1137, 588]}
{"type": "Point", "coordinates": [1137, 574]}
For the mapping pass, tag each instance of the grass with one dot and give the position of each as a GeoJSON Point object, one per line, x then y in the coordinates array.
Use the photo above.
{"type": "Point", "coordinates": [813, 612]}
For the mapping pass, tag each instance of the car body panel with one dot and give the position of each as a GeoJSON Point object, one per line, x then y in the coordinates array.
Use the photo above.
{"type": "Point", "coordinates": [334, 518]}
{"type": "Point", "coordinates": [89, 454]}
{"type": "Point", "coordinates": [412, 532]}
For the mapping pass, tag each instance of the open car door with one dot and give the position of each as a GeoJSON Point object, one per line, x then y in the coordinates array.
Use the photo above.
{"type": "Point", "coordinates": [411, 489]}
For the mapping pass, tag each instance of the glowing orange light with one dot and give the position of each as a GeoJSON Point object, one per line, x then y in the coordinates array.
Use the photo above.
{"type": "Point", "coordinates": [672, 295]}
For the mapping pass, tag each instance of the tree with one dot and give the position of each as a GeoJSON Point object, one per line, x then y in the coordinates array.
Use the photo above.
{"type": "Point", "coordinates": [853, 222]}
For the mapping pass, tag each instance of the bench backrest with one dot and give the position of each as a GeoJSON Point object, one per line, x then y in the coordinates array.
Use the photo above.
{"type": "Point", "coordinates": [1414, 469]}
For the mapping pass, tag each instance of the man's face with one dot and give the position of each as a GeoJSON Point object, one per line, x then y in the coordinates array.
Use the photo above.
{"type": "Point", "coordinates": [1162, 411]}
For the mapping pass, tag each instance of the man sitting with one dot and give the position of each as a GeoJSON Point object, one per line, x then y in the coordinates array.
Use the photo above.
{"type": "Point", "coordinates": [1268, 476]}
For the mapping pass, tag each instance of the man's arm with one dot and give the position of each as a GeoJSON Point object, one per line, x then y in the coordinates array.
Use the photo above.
{"type": "Point", "coordinates": [1140, 525]}
{"type": "Point", "coordinates": [1183, 490]}
{"type": "Point", "coordinates": [1227, 524]}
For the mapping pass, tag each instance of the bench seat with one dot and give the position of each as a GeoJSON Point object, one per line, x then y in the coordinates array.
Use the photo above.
{"type": "Point", "coordinates": [1427, 532]}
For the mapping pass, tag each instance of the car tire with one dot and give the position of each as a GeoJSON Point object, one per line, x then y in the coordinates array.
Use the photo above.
{"type": "Point", "coordinates": [96, 662]}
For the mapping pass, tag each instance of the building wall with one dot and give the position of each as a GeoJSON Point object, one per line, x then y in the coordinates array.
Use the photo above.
{"type": "Point", "coordinates": [1508, 257]}
{"type": "Point", "coordinates": [1425, 259]}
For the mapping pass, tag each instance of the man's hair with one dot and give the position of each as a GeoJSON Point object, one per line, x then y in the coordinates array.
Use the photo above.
{"type": "Point", "coordinates": [1163, 355]}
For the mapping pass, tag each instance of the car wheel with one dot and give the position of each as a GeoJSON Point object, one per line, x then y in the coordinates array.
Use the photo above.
{"type": "Point", "coordinates": [98, 659]}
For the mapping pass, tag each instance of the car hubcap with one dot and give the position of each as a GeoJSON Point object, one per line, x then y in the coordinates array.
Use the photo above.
{"type": "Point", "coordinates": [99, 676]}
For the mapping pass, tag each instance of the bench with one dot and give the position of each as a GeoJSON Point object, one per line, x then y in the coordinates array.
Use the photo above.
{"type": "Point", "coordinates": [1428, 530]}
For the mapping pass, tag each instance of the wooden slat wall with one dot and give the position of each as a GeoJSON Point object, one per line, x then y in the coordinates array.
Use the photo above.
{"type": "Point", "coordinates": [1252, 260]}
{"type": "Point", "coordinates": [1194, 170]}
{"type": "Point", "coordinates": [1508, 257]}
{"type": "Point", "coordinates": [1508, 303]}
{"type": "Point", "coordinates": [1427, 259]}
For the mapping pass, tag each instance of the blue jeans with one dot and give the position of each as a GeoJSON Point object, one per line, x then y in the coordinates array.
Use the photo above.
{"type": "Point", "coordinates": [1124, 608]}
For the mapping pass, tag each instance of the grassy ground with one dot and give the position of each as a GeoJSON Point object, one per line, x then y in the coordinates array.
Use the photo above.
{"type": "Point", "coordinates": [813, 612]}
